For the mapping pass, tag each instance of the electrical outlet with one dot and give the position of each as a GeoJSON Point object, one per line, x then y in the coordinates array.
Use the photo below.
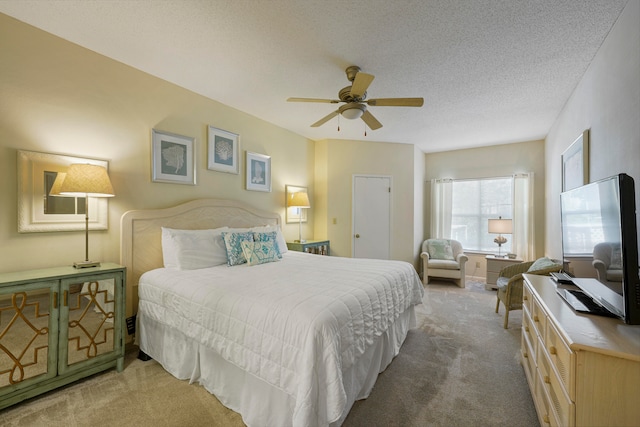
{"type": "Point", "coordinates": [477, 264]}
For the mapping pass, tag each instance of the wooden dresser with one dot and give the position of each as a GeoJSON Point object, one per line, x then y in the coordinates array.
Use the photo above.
{"type": "Point", "coordinates": [583, 370]}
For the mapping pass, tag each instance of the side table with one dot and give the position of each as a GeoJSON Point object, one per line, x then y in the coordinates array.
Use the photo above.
{"type": "Point", "coordinates": [494, 265]}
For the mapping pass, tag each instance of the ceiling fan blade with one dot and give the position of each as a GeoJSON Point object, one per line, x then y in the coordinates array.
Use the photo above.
{"type": "Point", "coordinates": [326, 101]}
{"type": "Point", "coordinates": [396, 102]}
{"type": "Point", "coordinates": [360, 84]}
{"type": "Point", "coordinates": [325, 119]}
{"type": "Point", "coordinates": [371, 121]}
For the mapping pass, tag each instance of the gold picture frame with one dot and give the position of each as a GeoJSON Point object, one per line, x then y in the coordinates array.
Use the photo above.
{"type": "Point", "coordinates": [40, 212]}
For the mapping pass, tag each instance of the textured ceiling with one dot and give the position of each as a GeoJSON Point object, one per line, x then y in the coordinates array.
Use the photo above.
{"type": "Point", "coordinates": [490, 71]}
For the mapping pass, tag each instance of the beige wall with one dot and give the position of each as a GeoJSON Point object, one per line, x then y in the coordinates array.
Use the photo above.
{"type": "Point", "coordinates": [606, 101]}
{"type": "Point", "coordinates": [485, 162]}
{"type": "Point", "coordinates": [59, 98]}
{"type": "Point", "coordinates": [337, 162]}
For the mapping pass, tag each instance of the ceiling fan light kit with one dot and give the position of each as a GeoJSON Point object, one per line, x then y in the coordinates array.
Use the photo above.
{"type": "Point", "coordinates": [355, 99]}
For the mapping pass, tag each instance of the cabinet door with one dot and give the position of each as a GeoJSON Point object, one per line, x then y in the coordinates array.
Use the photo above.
{"type": "Point", "coordinates": [91, 319]}
{"type": "Point", "coordinates": [28, 334]}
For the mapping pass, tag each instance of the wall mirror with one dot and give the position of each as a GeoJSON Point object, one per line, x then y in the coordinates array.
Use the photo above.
{"type": "Point", "coordinates": [294, 214]}
{"type": "Point", "coordinates": [38, 211]}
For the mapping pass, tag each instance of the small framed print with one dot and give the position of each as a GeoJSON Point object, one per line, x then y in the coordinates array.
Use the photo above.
{"type": "Point", "coordinates": [258, 172]}
{"type": "Point", "coordinates": [575, 163]}
{"type": "Point", "coordinates": [173, 158]}
{"type": "Point", "coordinates": [223, 151]}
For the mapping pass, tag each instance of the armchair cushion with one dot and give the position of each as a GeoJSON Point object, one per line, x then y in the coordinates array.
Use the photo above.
{"type": "Point", "coordinates": [543, 266]}
{"type": "Point", "coordinates": [440, 249]}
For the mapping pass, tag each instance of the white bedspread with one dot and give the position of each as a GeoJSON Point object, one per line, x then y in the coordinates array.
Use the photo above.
{"type": "Point", "coordinates": [296, 323]}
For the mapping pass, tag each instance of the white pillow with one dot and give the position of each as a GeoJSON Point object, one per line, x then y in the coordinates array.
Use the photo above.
{"type": "Point", "coordinates": [193, 249]}
{"type": "Point", "coordinates": [282, 244]}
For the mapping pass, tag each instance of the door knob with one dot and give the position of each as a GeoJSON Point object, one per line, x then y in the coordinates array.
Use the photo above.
{"type": "Point", "coordinates": [357, 236]}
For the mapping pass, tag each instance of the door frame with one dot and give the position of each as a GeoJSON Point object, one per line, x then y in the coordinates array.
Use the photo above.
{"type": "Point", "coordinates": [353, 210]}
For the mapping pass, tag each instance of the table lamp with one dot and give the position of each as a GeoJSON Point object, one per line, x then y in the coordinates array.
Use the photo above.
{"type": "Point", "coordinates": [89, 181]}
{"type": "Point", "coordinates": [299, 200]}
{"type": "Point", "coordinates": [500, 226]}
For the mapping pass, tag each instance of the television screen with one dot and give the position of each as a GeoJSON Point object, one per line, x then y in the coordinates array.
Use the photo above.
{"type": "Point", "coordinates": [599, 238]}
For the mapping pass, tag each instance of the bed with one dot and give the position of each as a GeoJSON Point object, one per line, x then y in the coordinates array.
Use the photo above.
{"type": "Point", "coordinates": [289, 341]}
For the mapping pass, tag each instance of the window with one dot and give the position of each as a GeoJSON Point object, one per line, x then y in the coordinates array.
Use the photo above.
{"type": "Point", "coordinates": [474, 202]}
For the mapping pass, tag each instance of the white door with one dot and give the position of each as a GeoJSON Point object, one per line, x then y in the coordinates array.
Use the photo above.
{"type": "Point", "coordinates": [371, 224]}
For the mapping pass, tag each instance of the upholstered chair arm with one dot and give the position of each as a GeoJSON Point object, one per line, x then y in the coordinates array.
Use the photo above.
{"type": "Point", "coordinates": [461, 259]}
{"type": "Point", "coordinates": [601, 269]}
{"type": "Point", "coordinates": [514, 269]}
{"type": "Point", "coordinates": [424, 256]}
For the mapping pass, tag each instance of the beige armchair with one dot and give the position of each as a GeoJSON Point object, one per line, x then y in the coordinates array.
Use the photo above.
{"type": "Point", "coordinates": [510, 282]}
{"type": "Point", "coordinates": [443, 258]}
{"type": "Point", "coordinates": [607, 260]}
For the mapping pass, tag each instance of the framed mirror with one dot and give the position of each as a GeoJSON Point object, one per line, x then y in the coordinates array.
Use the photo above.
{"type": "Point", "coordinates": [38, 211]}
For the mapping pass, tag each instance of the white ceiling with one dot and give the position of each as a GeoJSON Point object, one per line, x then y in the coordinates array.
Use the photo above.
{"type": "Point", "coordinates": [490, 71]}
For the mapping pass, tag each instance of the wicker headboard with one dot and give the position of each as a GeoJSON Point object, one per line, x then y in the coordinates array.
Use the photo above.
{"type": "Point", "coordinates": [141, 235]}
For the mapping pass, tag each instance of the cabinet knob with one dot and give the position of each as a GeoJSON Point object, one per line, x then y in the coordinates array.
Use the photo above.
{"type": "Point", "coordinates": [552, 350]}
{"type": "Point", "coordinates": [547, 380]}
{"type": "Point", "coordinates": [526, 328]}
{"type": "Point", "coordinates": [535, 318]}
{"type": "Point", "coordinates": [545, 418]}
{"type": "Point", "coordinates": [525, 355]}
{"type": "Point", "coordinates": [525, 298]}
{"type": "Point", "coordinates": [357, 236]}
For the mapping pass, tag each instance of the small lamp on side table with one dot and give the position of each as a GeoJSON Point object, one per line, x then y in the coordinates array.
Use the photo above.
{"type": "Point", "coordinates": [299, 200]}
{"type": "Point", "coordinates": [500, 226]}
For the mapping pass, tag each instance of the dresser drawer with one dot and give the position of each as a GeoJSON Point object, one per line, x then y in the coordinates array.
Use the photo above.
{"type": "Point", "coordinates": [543, 406]}
{"type": "Point", "coordinates": [561, 357]}
{"type": "Point", "coordinates": [561, 407]}
{"type": "Point", "coordinates": [538, 318]}
{"type": "Point", "coordinates": [529, 333]}
{"type": "Point", "coordinates": [528, 357]}
{"type": "Point", "coordinates": [527, 298]}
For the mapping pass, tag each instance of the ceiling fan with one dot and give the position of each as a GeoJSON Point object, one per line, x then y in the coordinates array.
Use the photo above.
{"type": "Point", "coordinates": [355, 100]}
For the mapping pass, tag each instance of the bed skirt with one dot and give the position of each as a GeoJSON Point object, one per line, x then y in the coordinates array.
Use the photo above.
{"type": "Point", "coordinates": [258, 402]}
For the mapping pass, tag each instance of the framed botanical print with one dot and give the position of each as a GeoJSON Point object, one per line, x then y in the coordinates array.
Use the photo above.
{"type": "Point", "coordinates": [258, 169]}
{"type": "Point", "coordinates": [173, 158]}
{"type": "Point", "coordinates": [223, 151]}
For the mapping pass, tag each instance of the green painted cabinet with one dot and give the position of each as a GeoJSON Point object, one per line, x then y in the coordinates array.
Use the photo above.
{"type": "Point", "coordinates": [319, 247]}
{"type": "Point", "coordinates": [58, 325]}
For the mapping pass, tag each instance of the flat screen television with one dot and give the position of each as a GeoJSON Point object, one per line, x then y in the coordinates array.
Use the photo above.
{"type": "Point", "coordinates": [598, 222]}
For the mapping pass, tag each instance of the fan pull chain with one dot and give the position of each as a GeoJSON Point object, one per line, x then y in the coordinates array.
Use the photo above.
{"type": "Point", "coordinates": [338, 122]}
{"type": "Point", "coordinates": [365, 129]}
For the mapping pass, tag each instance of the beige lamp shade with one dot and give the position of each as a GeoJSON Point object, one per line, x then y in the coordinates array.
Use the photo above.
{"type": "Point", "coordinates": [500, 226]}
{"type": "Point", "coordinates": [57, 184]}
{"type": "Point", "coordinates": [86, 180]}
{"type": "Point", "coordinates": [299, 200]}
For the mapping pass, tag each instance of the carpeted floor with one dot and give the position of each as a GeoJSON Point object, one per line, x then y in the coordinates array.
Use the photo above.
{"type": "Point", "coordinates": [459, 367]}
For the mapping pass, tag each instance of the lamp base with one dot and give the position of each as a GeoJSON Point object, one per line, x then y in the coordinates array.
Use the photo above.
{"type": "Point", "coordinates": [86, 264]}
{"type": "Point", "coordinates": [300, 241]}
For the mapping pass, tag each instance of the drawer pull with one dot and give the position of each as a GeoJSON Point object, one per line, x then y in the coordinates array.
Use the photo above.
{"type": "Point", "coordinates": [545, 418]}
{"type": "Point", "coordinates": [525, 355]}
{"type": "Point", "coordinates": [525, 298]}
{"type": "Point", "coordinates": [552, 350]}
{"type": "Point", "coordinates": [535, 318]}
{"type": "Point", "coordinates": [526, 328]}
{"type": "Point", "coordinates": [547, 380]}
{"type": "Point", "coordinates": [65, 297]}
{"type": "Point", "coordinates": [55, 300]}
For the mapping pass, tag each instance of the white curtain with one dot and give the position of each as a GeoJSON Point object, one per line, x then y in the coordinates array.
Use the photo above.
{"type": "Point", "coordinates": [441, 208]}
{"type": "Point", "coordinates": [523, 236]}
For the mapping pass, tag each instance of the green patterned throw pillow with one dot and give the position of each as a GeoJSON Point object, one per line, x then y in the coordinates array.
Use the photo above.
{"type": "Point", "coordinates": [260, 252]}
{"type": "Point", "coordinates": [233, 244]}
{"type": "Point", "coordinates": [440, 249]}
